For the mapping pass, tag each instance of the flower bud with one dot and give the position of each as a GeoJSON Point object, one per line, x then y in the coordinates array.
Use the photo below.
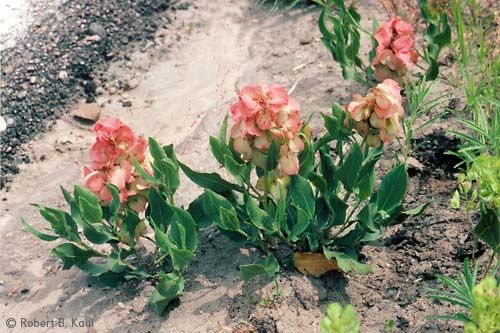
{"type": "Point", "coordinates": [373, 141]}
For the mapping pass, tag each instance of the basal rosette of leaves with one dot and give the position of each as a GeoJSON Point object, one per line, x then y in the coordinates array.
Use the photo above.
{"type": "Point", "coordinates": [393, 53]}
{"type": "Point", "coordinates": [340, 319]}
{"type": "Point", "coordinates": [330, 204]}
{"type": "Point", "coordinates": [479, 190]}
{"type": "Point", "coordinates": [126, 195]}
{"type": "Point", "coordinates": [485, 313]}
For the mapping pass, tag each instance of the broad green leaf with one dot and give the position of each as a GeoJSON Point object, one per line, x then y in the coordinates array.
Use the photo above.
{"type": "Point", "coordinates": [156, 151]}
{"type": "Point", "coordinates": [212, 202]}
{"type": "Point", "coordinates": [36, 233]}
{"type": "Point", "coordinates": [61, 222]}
{"type": "Point", "coordinates": [219, 150]}
{"type": "Point", "coordinates": [303, 221]}
{"type": "Point", "coordinates": [169, 288]}
{"type": "Point", "coordinates": [272, 156]}
{"type": "Point", "coordinates": [144, 174]}
{"type": "Point", "coordinates": [88, 203]}
{"type": "Point", "coordinates": [211, 181]}
{"type": "Point", "coordinates": [392, 189]}
{"type": "Point", "coordinates": [198, 214]}
{"type": "Point", "coordinates": [185, 220]}
{"type": "Point", "coordinates": [114, 205]}
{"type": "Point", "coordinates": [129, 226]}
{"type": "Point", "coordinates": [348, 172]}
{"type": "Point", "coordinates": [89, 211]}
{"type": "Point", "coordinates": [170, 173]}
{"type": "Point", "coordinates": [71, 254]}
{"type": "Point", "coordinates": [339, 209]}
{"type": "Point", "coordinates": [347, 263]}
{"type": "Point", "coordinates": [269, 266]}
{"type": "Point", "coordinates": [281, 211]}
{"type": "Point", "coordinates": [98, 233]}
{"type": "Point", "coordinates": [159, 211]}
{"type": "Point", "coordinates": [488, 228]}
{"type": "Point", "coordinates": [302, 195]}
{"type": "Point", "coordinates": [180, 257]}
{"type": "Point", "coordinates": [255, 213]}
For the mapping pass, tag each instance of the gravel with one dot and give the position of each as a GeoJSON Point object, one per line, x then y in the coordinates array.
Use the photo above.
{"type": "Point", "coordinates": [63, 58]}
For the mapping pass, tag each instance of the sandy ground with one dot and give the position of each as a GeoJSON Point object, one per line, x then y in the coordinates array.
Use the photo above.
{"type": "Point", "coordinates": [182, 95]}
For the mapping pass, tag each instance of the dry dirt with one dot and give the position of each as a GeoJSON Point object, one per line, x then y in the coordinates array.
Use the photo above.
{"type": "Point", "coordinates": [183, 92]}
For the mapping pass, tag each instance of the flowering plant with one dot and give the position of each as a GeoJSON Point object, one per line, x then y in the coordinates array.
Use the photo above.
{"type": "Point", "coordinates": [393, 44]}
{"type": "Point", "coordinates": [394, 52]}
{"type": "Point", "coordinates": [291, 192]}
{"type": "Point", "coordinates": [122, 191]}
{"type": "Point", "coordinates": [479, 189]}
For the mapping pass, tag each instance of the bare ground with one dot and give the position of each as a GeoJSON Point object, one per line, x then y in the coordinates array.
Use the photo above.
{"type": "Point", "coordinates": [185, 88]}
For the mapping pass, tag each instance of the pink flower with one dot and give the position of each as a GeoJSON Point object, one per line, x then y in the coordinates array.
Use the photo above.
{"type": "Point", "coordinates": [93, 180]}
{"type": "Point", "coordinates": [263, 114]}
{"type": "Point", "coordinates": [394, 53]}
{"type": "Point", "coordinates": [112, 157]}
{"type": "Point", "coordinates": [376, 116]}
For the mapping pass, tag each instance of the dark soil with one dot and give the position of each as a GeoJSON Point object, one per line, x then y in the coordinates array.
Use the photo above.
{"type": "Point", "coordinates": [433, 151]}
{"type": "Point", "coordinates": [56, 63]}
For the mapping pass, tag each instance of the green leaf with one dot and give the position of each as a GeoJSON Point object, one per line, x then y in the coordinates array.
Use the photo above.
{"type": "Point", "coordinates": [348, 172]}
{"type": "Point", "coordinates": [212, 202]}
{"type": "Point", "coordinates": [156, 151]}
{"type": "Point", "coordinates": [432, 71]}
{"type": "Point", "coordinates": [392, 189]}
{"type": "Point", "coordinates": [339, 209]}
{"type": "Point", "coordinates": [269, 266]}
{"type": "Point", "coordinates": [223, 129]}
{"type": "Point", "coordinates": [302, 194]}
{"type": "Point", "coordinates": [211, 181]}
{"type": "Point", "coordinates": [195, 209]}
{"type": "Point", "coordinates": [159, 211]}
{"type": "Point", "coordinates": [71, 254]}
{"type": "Point", "coordinates": [180, 257]}
{"type": "Point", "coordinates": [114, 205]}
{"type": "Point", "coordinates": [170, 173]}
{"type": "Point", "coordinates": [144, 174]}
{"type": "Point", "coordinates": [184, 220]}
{"type": "Point", "coordinates": [347, 263]}
{"type": "Point", "coordinates": [98, 233]}
{"type": "Point", "coordinates": [281, 211]}
{"type": "Point", "coordinates": [255, 213]}
{"type": "Point", "coordinates": [36, 233]}
{"type": "Point", "coordinates": [129, 226]}
{"type": "Point", "coordinates": [303, 221]}
{"type": "Point", "coordinates": [169, 288]}
{"type": "Point", "coordinates": [219, 150]}
{"type": "Point", "coordinates": [488, 228]}
{"type": "Point", "coordinates": [89, 212]}
{"type": "Point", "coordinates": [455, 200]}
{"type": "Point", "coordinates": [61, 222]}
{"type": "Point", "coordinates": [272, 156]}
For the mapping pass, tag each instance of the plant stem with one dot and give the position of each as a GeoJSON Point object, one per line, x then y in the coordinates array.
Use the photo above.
{"type": "Point", "coordinates": [490, 262]}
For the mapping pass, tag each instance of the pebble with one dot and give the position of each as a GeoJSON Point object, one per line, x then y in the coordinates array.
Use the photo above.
{"type": "Point", "coordinates": [8, 69]}
{"type": "Point", "coordinates": [87, 111]}
{"type": "Point", "coordinates": [63, 75]}
{"type": "Point", "coordinates": [3, 124]}
{"type": "Point", "coordinates": [97, 29]}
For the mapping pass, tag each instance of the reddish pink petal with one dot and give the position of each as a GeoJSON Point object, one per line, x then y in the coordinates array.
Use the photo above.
{"type": "Point", "coordinates": [264, 119]}
{"type": "Point", "coordinates": [288, 164]}
{"type": "Point", "coordinates": [94, 181]}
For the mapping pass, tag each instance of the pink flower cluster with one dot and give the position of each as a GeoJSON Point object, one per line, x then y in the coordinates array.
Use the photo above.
{"type": "Point", "coordinates": [394, 53]}
{"type": "Point", "coordinates": [376, 116]}
{"type": "Point", "coordinates": [111, 156]}
{"type": "Point", "coordinates": [265, 113]}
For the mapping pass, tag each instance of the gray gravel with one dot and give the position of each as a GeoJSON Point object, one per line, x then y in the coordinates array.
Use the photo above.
{"type": "Point", "coordinates": [62, 58]}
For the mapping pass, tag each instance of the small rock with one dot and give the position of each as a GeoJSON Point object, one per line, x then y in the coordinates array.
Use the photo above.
{"type": "Point", "coordinates": [63, 75]}
{"type": "Point", "coordinates": [93, 38]}
{"type": "Point", "coordinates": [306, 38]}
{"type": "Point", "coordinates": [86, 111]}
{"type": "Point", "coordinates": [8, 69]}
{"type": "Point", "coordinates": [99, 91]}
{"type": "Point", "coordinates": [132, 84]}
{"type": "Point", "coordinates": [3, 124]}
{"type": "Point", "coordinates": [22, 95]}
{"type": "Point", "coordinates": [33, 79]}
{"type": "Point", "coordinates": [97, 29]}
{"type": "Point", "coordinates": [126, 104]}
